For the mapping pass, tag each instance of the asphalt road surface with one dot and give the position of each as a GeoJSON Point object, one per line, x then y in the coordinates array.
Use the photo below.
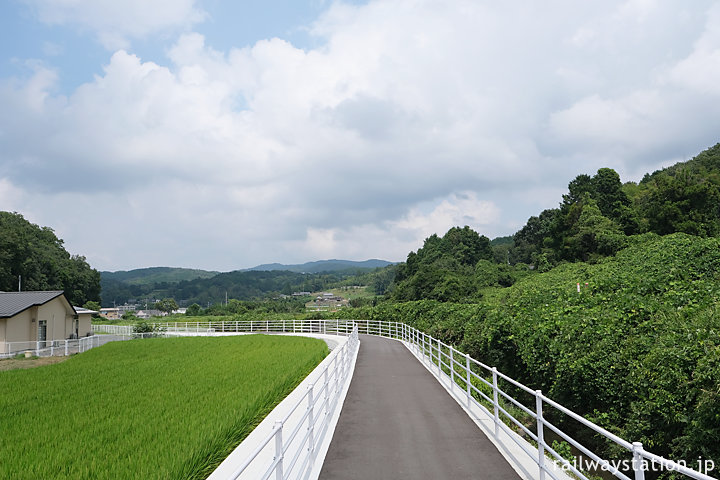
{"type": "Point", "coordinates": [398, 422]}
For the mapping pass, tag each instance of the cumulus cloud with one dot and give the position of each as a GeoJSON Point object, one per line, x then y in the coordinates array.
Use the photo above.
{"type": "Point", "coordinates": [408, 118]}
{"type": "Point", "coordinates": [116, 23]}
{"type": "Point", "coordinates": [700, 71]}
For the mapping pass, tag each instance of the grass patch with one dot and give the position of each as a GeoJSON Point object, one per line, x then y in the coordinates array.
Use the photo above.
{"type": "Point", "coordinates": [154, 408]}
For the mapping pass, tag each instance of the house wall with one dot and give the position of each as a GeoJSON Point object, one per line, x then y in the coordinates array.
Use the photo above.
{"type": "Point", "coordinates": [59, 320]}
{"type": "Point", "coordinates": [20, 328]}
{"type": "Point", "coordinates": [3, 346]}
{"type": "Point", "coordinates": [85, 324]}
{"type": "Point", "coordinates": [23, 327]}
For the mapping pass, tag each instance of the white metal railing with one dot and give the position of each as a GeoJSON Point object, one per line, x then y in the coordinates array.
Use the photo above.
{"type": "Point", "coordinates": [59, 348]}
{"type": "Point", "coordinates": [46, 348]}
{"type": "Point", "coordinates": [473, 382]}
{"type": "Point", "coordinates": [296, 436]}
{"type": "Point", "coordinates": [478, 384]}
{"type": "Point", "coordinates": [116, 329]}
{"type": "Point", "coordinates": [329, 327]}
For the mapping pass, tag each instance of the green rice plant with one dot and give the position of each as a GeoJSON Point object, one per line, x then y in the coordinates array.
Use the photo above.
{"type": "Point", "coordinates": [153, 408]}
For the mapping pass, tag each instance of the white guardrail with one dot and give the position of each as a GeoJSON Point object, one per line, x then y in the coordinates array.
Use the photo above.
{"type": "Point", "coordinates": [58, 348]}
{"type": "Point", "coordinates": [292, 448]}
{"type": "Point", "coordinates": [479, 385]}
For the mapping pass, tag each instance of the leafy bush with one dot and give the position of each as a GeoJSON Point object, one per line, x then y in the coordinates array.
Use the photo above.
{"type": "Point", "coordinates": [637, 350]}
{"type": "Point", "coordinates": [143, 326]}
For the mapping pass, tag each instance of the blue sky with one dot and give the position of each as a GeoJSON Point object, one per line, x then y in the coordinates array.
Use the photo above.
{"type": "Point", "coordinates": [75, 51]}
{"type": "Point", "coordinates": [220, 134]}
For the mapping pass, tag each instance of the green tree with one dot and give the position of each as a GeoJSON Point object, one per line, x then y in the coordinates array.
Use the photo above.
{"type": "Point", "coordinates": [193, 310]}
{"type": "Point", "coordinates": [166, 305]}
{"type": "Point", "coordinates": [594, 234]}
{"type": "Point", "coordinates": [684, 202]}
{"type": "Point", "coordinates": [530, 240]}
{"type": "Point", "coordinates": [37, 256]}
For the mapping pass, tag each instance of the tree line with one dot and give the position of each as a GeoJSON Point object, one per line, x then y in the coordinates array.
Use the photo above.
{"type": "Point", "coordinates": [33, 258]}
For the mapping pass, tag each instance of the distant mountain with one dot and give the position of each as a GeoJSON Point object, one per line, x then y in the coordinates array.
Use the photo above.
{"type": "Point", "coordinates": [323, 266]}
{"type": "Point", "coordinates": [152, 275]}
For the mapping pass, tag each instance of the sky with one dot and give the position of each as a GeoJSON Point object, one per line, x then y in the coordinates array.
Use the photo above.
{"type": "Point", "coordinates": [221, 134]}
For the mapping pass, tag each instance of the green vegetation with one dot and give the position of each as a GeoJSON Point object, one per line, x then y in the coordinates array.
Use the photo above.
{"type": "Point", "coordinates": [156, 408]}
{"type": "Point", "coordinates": [239, 285]}
{"type": "Point", "coordinates": [38, 256]}
{"type": "Point", "coordinates": [598, 214]}
{"type": "Point", "coordinates": [323, 266]}
{"type": "Point", "coordinates": [637, 350]}
{"type": "Point", "coordinates": [149, 276]}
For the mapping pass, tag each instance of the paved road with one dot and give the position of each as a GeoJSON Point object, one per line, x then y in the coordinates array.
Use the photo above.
{"type": "Point", "coordinates": [399, 422]}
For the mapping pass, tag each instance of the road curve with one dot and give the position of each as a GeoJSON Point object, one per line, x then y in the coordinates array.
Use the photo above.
{"type": "Point", "coordinates": [399, 422]}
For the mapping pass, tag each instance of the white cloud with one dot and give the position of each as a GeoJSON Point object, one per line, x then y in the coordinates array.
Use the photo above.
{"type": "Point", "coordinates": [459, 209]}
{"type": "Point", "coordinates": [116, 23]}
{"type": "Point", "coordinates": [700, 71]}
{"type": "Point", "coordinates": [412, 116]}
{"type": "Point", "coordinates": [407, 232]}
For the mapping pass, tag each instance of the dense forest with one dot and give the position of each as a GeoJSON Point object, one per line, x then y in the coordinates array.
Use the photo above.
{"type": "Point", "coordinates": [35, 258]}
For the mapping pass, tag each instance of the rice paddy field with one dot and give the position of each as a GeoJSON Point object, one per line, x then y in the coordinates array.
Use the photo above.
{"type": "Point", "coordinates": [159, 408]}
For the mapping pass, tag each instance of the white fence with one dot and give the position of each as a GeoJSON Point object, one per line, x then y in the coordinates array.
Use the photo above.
{"type": "Point", "coordinates": [482, 386]}
{"type": "Point", "coordinates": [290, 449]}
{"type": "Point", "coordinates": [47, 348]}
{"type": "Point", "coordinates": [59, 348]}
{"type": "Point", "coordinates": [486, 388]}
{"type": "Point", "coordinates": [477, 384]}
{"type": "Point", "coordinates": [116, 329]}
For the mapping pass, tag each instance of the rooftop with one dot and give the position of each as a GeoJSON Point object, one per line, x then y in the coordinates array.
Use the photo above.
{"type": "Point", "coordinates": [12, 303]}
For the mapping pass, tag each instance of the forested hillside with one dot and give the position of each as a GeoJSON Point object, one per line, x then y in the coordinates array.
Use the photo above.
{"type": "Point", "coordinates": [238, 285]}
{"type": "Point", "coordinates": [599, 213]}
{"type": "Point", "coordinates": [596, 218]}
{"type": "Point", "coordinates": [325, 266]}
{"type": "Point", "coordinates": [38, 257]}
{"type": "Point", "coordinates": [637, 349]}
{"type": "Point", "coordinates": [147, 276]}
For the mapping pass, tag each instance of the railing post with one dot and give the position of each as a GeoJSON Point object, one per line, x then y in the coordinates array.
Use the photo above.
{"type": "Point", "coordinates": [326, 384]}
{"type": "Point", "coordinates": [638, 466]}
{"type": "Point", "coordinates": [452, 370]}
{"type": "Point", "coordinates": [337, 374]}
{"type": "Point", "coordinates": [467, 379]}
{"type": "Point", "coordinates": [439, 361]}
{"type": "Point", "coordinates": [278, 451]}
{"type": "Point", "coordinates": [540, 433]}
{"type": "Point", "coordinates": [496, 405]}
{"type": "Point", "coordinates": [311, 425]}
